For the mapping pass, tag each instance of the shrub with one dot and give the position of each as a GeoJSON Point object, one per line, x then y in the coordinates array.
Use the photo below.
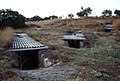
{"type": "Point", "coordinates": [11, 18]}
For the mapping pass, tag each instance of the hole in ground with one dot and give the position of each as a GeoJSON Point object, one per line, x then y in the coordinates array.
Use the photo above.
{"type": "Point", "coordinates": [29, 60]}
{"type": "Point", "coordinates": [108, 30]}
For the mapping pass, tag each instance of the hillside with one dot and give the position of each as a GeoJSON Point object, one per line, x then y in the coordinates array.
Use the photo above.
{"type": "Point", "coordinates": [86, 25]}
{"type": "Point", "coordinates": [99, 62]}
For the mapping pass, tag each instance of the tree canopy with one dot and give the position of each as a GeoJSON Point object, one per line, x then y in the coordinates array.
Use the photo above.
{"type": "Point", "coordinates": [11, 18]}
{"type": "Point", "coordinates": [53, 17]}
{"type": "Point", "coordinates": [84, 12]}
{"type": "Point", "coordinates": [117, 12]}
{"type": "Point", "coordinates": [70, 15]}
{"type": "Point", "coordinates": [50, 17]}
{"type": "Point", "coordinates": [107, 13]}
{"type": "Point", "coordinates": [38, 18]}
{"type": "Point", "coordinates": [35, 18]}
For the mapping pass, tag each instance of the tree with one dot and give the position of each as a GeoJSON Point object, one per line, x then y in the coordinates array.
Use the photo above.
{"type": "Point", "coordinates": [46, 18]}
{"type": "Point", "coordinates": [88, 11]}
{"type": "Point", "coordinates": [70, 15]}
{"type": "Point", "coordinates": [107, 13]}
{"type": "Point", "coordinates": [81, 13]}
{"type": "Point", "coordinates": [11, 18]}
{"type": "Point", "coordinates": [117, 12]}
{"type": "Point", "coordinates": [50, 17]}
{"type": "Point", "coordinates": [53, 17]}
{"type": "Point", "coordinates": [84, 12]}
{"type": "Point", "coordinates": [36, 18]}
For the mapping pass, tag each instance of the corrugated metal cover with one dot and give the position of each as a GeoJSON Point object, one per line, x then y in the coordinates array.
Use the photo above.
{"type": "Point", "coordinates": [108, 26]}
{"type": "Point", "coordinates": [73, 37]}
{"type": "Point", "coordinates": [76, 36]}
{"type": "Point", "coordinates": [22, 41]}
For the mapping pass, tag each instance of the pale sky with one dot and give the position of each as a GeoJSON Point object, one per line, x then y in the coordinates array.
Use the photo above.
{"type": "Point", "coordinates": [45, 8]}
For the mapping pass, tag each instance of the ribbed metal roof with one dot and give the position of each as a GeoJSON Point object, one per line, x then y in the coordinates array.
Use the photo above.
{"type": "Point", "coordinates": [108, 26]}
{"type": "Point", "coordinates": [21, 41]}
{"type": "Point", "coordinates": [75, 36]}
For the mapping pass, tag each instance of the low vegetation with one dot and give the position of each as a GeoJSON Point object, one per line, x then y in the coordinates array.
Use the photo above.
{"type": "Point", "coordinates": [11, 18]}
{"type": "Point", "coordinates": [98, 63]}
{"type": "Point", "coordinates": [5, 36]}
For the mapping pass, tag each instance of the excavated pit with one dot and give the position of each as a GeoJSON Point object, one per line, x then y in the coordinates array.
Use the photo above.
{"type": "Point", "coordinates": [29, 60]}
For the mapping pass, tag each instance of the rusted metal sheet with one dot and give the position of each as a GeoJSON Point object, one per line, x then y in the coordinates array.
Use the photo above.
{"type": "Point", "coordinates": [21, 42]}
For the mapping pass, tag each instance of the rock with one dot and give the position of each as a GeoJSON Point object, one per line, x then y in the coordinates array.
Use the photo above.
{"type": "Point", "coordinates": [56, 65]}
{"type": "Point", "coordinates": [44, 74]}
{"type": "Point", "coordinates": [46, 62]}
{"type": "Point", "coordinates": [93, 72]}
{"type": "Point", "coordinates": [98, 74]}
{"type": "Point", "coordinates": [118, 76]}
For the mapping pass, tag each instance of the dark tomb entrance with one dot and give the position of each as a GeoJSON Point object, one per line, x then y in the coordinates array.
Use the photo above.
{"type": "Point", "coordinates": [74, 39]}
{"type": "Point", "coordinates": [75, 43]}
{"type": "Point", "coordinates": [29, 60]}
{"type": "Point", "coordinates": [29, 51]}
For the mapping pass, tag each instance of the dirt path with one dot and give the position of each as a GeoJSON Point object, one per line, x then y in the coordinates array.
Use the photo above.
{"type": "Point", "coordinates": [47, 74]}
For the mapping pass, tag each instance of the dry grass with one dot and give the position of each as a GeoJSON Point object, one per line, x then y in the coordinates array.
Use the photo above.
{"type": "Point", "coordinates": [43, 23]}
{"type": "Point", "coordinates": [91, 58]}
{"type": "Point", "coordinates": [5, 36]}
{"type": "Point", "coordinates": [89, 24]}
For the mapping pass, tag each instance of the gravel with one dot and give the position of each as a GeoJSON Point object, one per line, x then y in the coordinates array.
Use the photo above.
{"type": "Point", "coordinates": [51, 73]}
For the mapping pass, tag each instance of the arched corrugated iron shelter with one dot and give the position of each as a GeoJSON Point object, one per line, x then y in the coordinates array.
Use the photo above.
{"type": "Point", "coordinates": [30, 52]}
